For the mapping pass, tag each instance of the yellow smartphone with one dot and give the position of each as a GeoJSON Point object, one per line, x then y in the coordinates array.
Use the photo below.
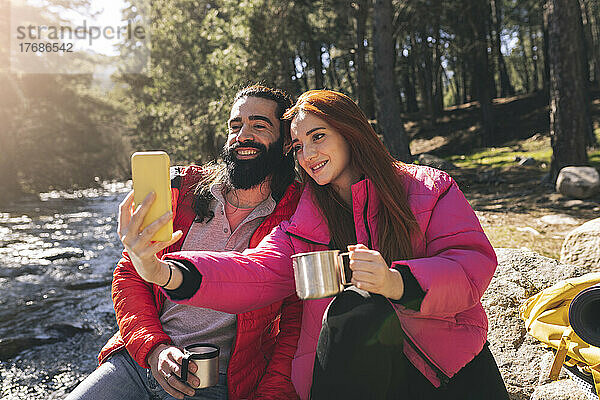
{"type": "Point", "coordinates": [150, 173]}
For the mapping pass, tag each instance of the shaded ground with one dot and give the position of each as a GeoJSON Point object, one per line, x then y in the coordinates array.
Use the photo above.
{"type": "Point", "coordinates": [457, 130]}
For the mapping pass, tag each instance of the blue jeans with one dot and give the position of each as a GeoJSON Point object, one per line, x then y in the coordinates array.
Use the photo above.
{"type": "Point", "coordinates": [121, 378]}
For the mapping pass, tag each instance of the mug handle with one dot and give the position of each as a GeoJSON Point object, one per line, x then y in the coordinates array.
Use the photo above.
{"type": "Point", "coordinates": [184, 366]}
{"type": "Point", "coordinates": [342, 271]}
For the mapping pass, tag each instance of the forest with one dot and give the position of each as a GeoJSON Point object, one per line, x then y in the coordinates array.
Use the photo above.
{"type": "Point", "coordinates": [418, 61]}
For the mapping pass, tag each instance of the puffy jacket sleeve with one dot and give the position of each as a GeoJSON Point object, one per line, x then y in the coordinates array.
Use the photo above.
{"type": "Point", "coordinates": [459, 262]}
{"type": "Point", "coordinates": [236, 282]}
{"type": "Point", "coordinates": [276, 383]}
{"type": "Point", "coordinates": [134, 299]}
{"type": "Point", "coordinates": [136, 311]}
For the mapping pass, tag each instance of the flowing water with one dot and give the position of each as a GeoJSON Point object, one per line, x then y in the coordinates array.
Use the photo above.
{"type": "Point", "coordinates": [57, 255]}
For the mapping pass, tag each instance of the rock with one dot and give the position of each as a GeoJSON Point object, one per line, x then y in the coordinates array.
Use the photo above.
{"type": "Point", "coordinates": [10, 347]}
{"type": "Point", "coordinates": [520, 274]}
{"type": "Point", "coordinates": [559, 219]}
{"type": "Point", "coordinates": [88, 284]}
{"type": "Point", "coordinates": [580, 204]}
{"type": "Point", "coordinates": [62, 253]}
{"type": "Point", "coordinates": [573, 203]}
{"type": "Point", "coordinates": [527, 161]}
{"type": "Point", "coordinates": [528, 229]}
{"type": "Point", "coordinates": [563, 389]}
{"type": "Point", "coordinates": [66, 330]}
{"type": "Point", "coordinates": [435, 162]}
{"type": "Point", "coordinates": [578, 182]}
{"type": "Point", "coordinates": [582, 246]}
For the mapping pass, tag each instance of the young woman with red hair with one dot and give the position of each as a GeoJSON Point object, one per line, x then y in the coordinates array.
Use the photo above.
{"type": "Point", "coordinates": [412, 325]}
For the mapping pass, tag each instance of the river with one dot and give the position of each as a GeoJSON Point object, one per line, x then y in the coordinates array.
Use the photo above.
{"type": "Point", "coordinates": [57, 254]}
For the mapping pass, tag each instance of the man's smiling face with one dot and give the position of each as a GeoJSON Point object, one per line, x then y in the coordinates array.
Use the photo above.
{"type": "Point", "coordinates": [254, 146]}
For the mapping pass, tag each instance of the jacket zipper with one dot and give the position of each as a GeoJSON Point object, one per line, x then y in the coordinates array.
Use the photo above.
{"type": "Point", "coordinates": [444, 379]}
{"type": "Point", "coordinates": [369, 242]}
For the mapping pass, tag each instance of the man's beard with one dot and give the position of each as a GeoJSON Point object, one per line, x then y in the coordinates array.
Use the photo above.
{"type": "Point", "coordinates": [246, 174]}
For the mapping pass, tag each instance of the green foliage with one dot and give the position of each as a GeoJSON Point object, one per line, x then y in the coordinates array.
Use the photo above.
{"type": "Point", "coordinates": [203, 51]}
{"type": "Point", "coordinates": [182, 103]}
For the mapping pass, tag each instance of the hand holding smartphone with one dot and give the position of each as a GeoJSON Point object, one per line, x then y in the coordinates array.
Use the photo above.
{"type": "Point", "coordinates": [150, 173]}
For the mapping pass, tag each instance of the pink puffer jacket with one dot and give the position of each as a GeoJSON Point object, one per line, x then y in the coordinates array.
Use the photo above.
{"type": "Point", "coordinates": [453, 265]}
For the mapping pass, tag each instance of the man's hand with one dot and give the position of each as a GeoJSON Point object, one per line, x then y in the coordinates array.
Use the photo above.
{"type": "Point", "coordinates": [138, 244]}
{"type": "Point", "coordinates": [165, 364]}
{"type": "Point", "coordinates": [370, 272]}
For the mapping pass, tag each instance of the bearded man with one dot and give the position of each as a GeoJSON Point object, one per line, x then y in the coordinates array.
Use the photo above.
{"type": "Point", "coordinates": [217, 207]}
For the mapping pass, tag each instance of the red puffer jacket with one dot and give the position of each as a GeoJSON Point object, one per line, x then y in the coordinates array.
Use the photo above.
{"type": "Point", "coordinates": [266, 339]}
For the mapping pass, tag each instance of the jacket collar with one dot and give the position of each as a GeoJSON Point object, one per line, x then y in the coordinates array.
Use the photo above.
{"type": "Point", "coordinates": [309, 222]}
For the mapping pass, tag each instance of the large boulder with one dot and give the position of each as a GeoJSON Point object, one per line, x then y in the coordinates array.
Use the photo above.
{"type": "Point", "coordinates": [582, 246]}
{"type": "Point", "coordinates": [578, 182]}
{"type": "Point", "coordinates": [521, 274]}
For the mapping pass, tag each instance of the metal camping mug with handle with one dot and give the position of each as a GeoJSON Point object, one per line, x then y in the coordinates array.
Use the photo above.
{"type": "Point", "coordinates": [206, 358]}
{"type": "Point", "coordinates": [319, 274]}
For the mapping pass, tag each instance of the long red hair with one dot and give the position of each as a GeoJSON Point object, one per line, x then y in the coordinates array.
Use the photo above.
{"type": "Point", "coordinates": [369, 156]}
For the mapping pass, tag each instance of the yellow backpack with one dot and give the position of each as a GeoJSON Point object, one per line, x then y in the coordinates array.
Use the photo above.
{"type": "Point", "coordinates": [546, 317]}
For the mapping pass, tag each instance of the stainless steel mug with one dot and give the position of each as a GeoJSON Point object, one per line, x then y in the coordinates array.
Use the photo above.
{"type": "Point", "coordinates": [319, 274]}
{"type": "Point", "coordinates": [206, 358]}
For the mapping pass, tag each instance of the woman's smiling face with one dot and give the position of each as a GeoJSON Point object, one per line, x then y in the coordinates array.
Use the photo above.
{"type": "Point", "coordinates": [322, 151]}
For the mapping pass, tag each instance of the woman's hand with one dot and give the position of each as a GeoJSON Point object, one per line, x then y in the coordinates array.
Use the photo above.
{"type": "Point", "coordinates": [140, 248]}
{"type": "Point", "coordinates": [370, 272]}
{"type": "Point", "coordinates": [165, 364]}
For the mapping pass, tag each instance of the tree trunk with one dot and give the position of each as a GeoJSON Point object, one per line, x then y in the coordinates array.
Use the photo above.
{"type": "Point", "coordinates": [365, 84]}
{"type": "Point", "coordinates": [477, 13]}
{"type": "Point", "coordinates": [456, 67]}
{"type": "Point", "coordinates": [292, 72]}
{"type": "Point", "coordinates": [546, 82]}
{"type": "Point", "coordinates": [317, 63]}
{"type": "Point", "coordinates": [388, 105]}
{"type": "Point", "coordinates": [350, 79]}
{"type": "Point", "coordinates": [438, 94]}
{"type": "Point", "coordinates": [409, 86]}
{"type": "Point", "coordinates": [466, 91]}
{"type": "Point", "coordinates": [493, 66]}
{"type": "Point", "coordinates": [304, 76]}
{"type": "Point", "coordinates": [534, 60]}
{"type": "Point", "coordinates": [332, 72]}
{"type": "Point", "coordinates": [569, 119]}
{"type": "Point", "coordinates": [506, 88]}
{"type": "Point", "coordinates": [452, 84]}
{"type": "Point", "coordinates": [425, 74]}
{"type": "Point", "coordinates": [588, 43]}
{"type": "Point", "coordinates": [525, 60]}
{"type": "Point", "coordinates": [594, 13]}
